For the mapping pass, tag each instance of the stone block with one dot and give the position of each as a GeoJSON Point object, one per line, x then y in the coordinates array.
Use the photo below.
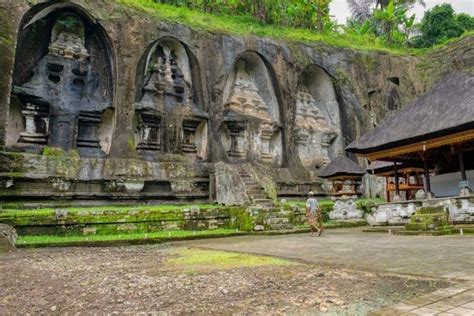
{"type": "Point", "coordinates": [8, 238]}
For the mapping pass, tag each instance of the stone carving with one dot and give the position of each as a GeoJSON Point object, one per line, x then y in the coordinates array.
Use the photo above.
{"type": "Point", "coordinates": [245, 97]}
{"type": "Point", "coordinates": [8, 238]}
{"type": "Point", "coordinates": [345, 209]}
{"type": "Point", "coordinates": [36, 124]}
{"type": "Point", "coordinates": [392, 214]}
{"type": "Point", "coordinates": [315, 133]}
{"type": "Point", "coordinates": [168, 117]}
{"type": "Point", "coordinates": [244, 105]}
{"type": "Point", "coordinates": [62, 101]}
{"type": "Point", "coordinates": [461, 210]}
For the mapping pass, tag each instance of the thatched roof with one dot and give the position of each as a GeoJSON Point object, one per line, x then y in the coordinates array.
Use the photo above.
{"type": "Point", "coordinates": [341, 166]}
{"type": "Point", "coordinates": [446, 109]}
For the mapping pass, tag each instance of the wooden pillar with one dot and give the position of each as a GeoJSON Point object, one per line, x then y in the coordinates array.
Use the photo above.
{"type": "Point", "coordinates": [427, 176]}
{"type": "Point", "coordinates": [386, 189]}
{"type": "Point", "coordinates": [461, 166]}
{"type": "Point", "coordinates": [397, 184]}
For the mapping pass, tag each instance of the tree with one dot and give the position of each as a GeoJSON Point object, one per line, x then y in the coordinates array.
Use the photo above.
{"type": "Point", "coordinates": [438, 25]}
{"type": "Point", "coordinates": [391, 18]}
{"type": "Point", "coordinates": [465, 21]}
{"type": "Point", "coordinates": [363, 10]}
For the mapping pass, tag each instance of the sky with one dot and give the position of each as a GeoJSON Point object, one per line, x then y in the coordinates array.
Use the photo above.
{"type": "Point", "coordinates": [340, 10]}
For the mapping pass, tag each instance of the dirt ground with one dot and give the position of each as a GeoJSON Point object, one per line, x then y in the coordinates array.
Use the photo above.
{"type": "Point", "coordinates": [160, 279]}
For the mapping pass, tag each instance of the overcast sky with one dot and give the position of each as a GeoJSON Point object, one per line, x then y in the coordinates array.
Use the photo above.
{"type": "Point", "coordinates": [340, 10]}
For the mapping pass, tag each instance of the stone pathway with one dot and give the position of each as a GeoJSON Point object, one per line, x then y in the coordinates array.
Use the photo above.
{"type": "Point", "coordinates": [443, 257]}
{"type": "Point", "coordinates": [455, 300]}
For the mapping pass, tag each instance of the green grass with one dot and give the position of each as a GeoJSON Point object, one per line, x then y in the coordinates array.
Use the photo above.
{"type": "Point", "coordinates": [244, 25]}
{"type": "Point", "coordinates": [117, 209]}
{"type": "Point", "coordinates": [165, 235]}
{"type": "Point", "coordinates": [193, 260]}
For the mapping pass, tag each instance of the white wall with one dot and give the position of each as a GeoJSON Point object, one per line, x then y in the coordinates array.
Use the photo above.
{"type": "Point", "coordinates": [448, 184]}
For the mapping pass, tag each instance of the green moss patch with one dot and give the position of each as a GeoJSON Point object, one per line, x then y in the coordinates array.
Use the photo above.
{"type": "Point", "coordinates": [198, 260]}
{"type": "Point", "coordinates": [112, 240]}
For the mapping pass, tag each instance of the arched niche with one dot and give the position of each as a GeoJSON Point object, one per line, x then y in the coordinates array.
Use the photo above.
{"type": "Point", "coordinates": [317, 119]}
{"type": "Point", "coordinates": [63, 82]}
{"type": "Point", "coordinates": [252, 128]}
{"type": "Point", "coordinates": [169, 114]}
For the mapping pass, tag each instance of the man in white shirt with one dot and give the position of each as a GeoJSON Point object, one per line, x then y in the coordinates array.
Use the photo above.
{"type": "Point", "coordinates": [313, 214]}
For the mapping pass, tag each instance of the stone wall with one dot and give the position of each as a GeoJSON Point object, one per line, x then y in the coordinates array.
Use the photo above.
{"type": "Point", "coordinates": [145, 108]}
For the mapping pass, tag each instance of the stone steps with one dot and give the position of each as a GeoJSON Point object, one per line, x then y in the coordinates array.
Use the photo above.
{"type": "Point", "coordinates": [255, 192]}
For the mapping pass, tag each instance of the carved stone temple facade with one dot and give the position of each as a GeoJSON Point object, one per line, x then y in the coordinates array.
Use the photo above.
{"type": "Point", "coordinates": [100, 101]}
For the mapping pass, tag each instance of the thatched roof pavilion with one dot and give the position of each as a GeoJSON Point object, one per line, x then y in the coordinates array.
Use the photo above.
{"type": "Point", "coordinates": [344, 174]}
{"type": "Point", "coordinates": [341, 166]}
{"type": "Point", "coordinates": [445, 115]}
{"type": "Point", "coordinates": [437, 129]}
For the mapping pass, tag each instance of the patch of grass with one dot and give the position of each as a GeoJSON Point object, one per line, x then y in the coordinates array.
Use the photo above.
{"type": "Point", "coordinates": [164, 235]}
{"type": "Point", "coordinates": [244, 25]}
{"type": "Point", "coordinates": [193, 260]}
{"type": "Point", "coordinates": [117, 209]}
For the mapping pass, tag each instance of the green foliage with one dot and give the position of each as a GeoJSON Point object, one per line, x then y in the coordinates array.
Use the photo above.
{"type": "Point", "coordinates": [440, 24]}
{"type": "Point", "coordinates": [247, 25]}
{"type": "Point", "coordinates": [366, 205]}
{"type": "Point", "coordinates": [465, 21]}
{"type": "Point", "coordinates": [308, 14]}
{"type": "Point", "coordinates": [242, 220]}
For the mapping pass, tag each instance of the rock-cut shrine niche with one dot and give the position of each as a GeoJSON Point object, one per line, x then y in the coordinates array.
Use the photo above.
{"type": "Point", "coordinates": [62, 85]}
{"type": "Point", "coordinates": [252, 127]}
{"type": "Point", "coordinates": [168, 117]}
{"type": "Point", "coordinates": [317, 121]}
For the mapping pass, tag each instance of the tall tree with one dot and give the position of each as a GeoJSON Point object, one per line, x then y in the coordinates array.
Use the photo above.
{"type": "Point", "coordinates": [363, 10]}
{"type": "Point", "coordinates": [438, 25]}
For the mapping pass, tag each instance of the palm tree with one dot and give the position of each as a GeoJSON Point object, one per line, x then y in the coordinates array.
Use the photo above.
{"type": "Point", "coordinates": [362, 10]}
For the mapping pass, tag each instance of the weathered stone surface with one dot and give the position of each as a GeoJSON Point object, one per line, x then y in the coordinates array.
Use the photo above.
{"type": "Point", "coordinates": [460, 209]}
{"type": "Point", "coordinates": [164, 112]}
{"type": "Point", "coordinates": [392, 214]}
{"type": "Point", "coordinates": [345, 209]}
{"type": "Point", "coordinates": [230, 189]}
{"type": "Point", "coordinates": [8, 238]}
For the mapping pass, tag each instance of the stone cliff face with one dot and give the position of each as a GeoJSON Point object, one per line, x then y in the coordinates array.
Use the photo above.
{"type": "Point", "coordinates": [144, 108]}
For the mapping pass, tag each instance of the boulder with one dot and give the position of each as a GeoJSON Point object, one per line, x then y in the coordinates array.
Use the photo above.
{"type": "Point", "coordinates": [8, 238]}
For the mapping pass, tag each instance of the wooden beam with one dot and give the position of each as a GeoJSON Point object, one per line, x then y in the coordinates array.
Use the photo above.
{"type": "Point", "coordinates": [461, 165]}
{"type": "Point", "coordinates": [421, 146]}
{"type": "Point", "coordinates": [427, 177]}
{"type": "Point", "coordinates": [397, 184]}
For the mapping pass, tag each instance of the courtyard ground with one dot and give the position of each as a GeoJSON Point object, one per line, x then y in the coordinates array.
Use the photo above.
{"type": "Point", "coordinates": [344, 272]}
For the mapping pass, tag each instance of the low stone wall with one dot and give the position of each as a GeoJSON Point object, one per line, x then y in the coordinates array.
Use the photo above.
{"type": "Point", "coordinates": [65, 175]}
{"type": "Point", "coordinates": [461, 210]}
{"type": "Point", "coordinates": [64, 222]}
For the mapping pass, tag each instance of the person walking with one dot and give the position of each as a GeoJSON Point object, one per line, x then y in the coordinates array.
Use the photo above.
{"type": "Point", "coordinates": [313, 214]}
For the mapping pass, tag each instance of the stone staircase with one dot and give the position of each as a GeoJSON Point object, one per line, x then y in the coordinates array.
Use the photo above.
{"type": "Point", "coordinates": [255, 192]}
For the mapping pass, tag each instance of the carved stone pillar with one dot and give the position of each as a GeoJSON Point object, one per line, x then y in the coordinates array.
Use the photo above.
{"type": "Point", "coordinates": [266, 137]}
{"type": "Point", "coordinates": [189, 131]}
{"type": "Point", "coordinates": [238, 144]}
{"type": "Point", "coordinates": [88, 127]}
{"type": "Point", "coordinates": [149, 131]}
{"type": "Point", "coordinates": [36, 124]}
{"type": "Point", "coordinates": [301, 138]}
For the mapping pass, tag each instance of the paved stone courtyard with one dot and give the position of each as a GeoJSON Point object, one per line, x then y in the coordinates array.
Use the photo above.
{"type": "Point", "coordinates": [449, 256]}
{"type": "Point", "coordinates": [446, 257]}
